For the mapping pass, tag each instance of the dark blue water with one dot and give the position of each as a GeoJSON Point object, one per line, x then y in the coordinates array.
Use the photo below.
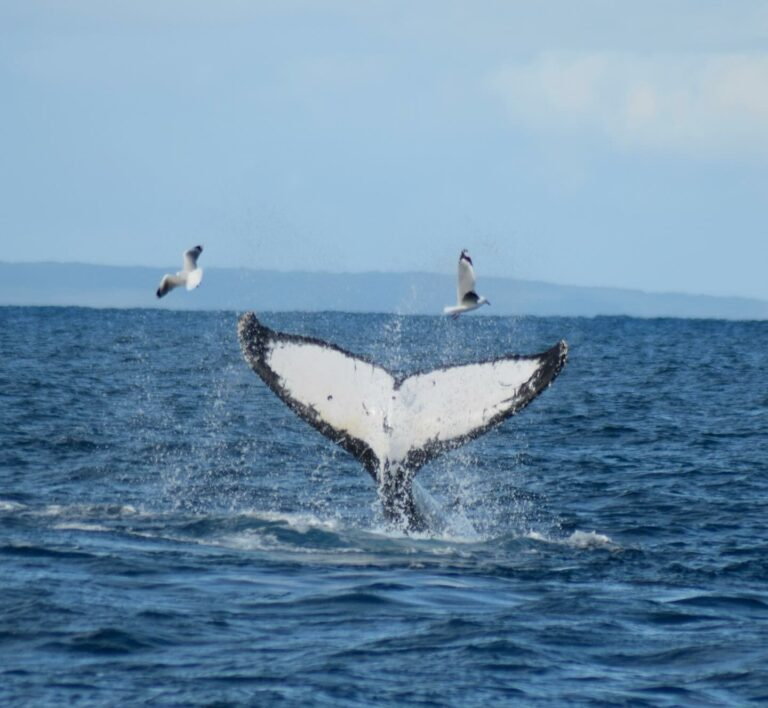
{"type": "Point", "coordinates": [170, 534]}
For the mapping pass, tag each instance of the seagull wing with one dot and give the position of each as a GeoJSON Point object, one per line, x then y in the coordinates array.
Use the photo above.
{"type": "Point", "coordinates": [190, 258]}
{"type": "Point", "coordinates": [466, 279]}
{"type": "Point", "coordinates": [169, 282]}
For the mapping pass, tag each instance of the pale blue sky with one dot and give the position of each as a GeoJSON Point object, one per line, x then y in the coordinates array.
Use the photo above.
{"type": "Point", "coordinates": [589, 143]}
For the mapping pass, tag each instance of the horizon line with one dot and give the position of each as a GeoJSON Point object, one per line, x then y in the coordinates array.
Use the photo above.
{"type": "Point", "coordinates": [665, 293]}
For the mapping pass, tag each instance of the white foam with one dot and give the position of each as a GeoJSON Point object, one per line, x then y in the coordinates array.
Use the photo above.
{"type": "Point", "coordinates": [51, 510]}
{"type": "Point", "coordinates": [300, 522]}
{"type": "Point", "coordinates": [578, 539]}
{"type": "Point", "coordinates": [10, 505]}
{"type": "Point", "coordinates": [264, 541]}
{"type": "Point", "coordinates": [248, 541]}
{"type": "Point", "coordinates": [590, 539]}
{"type": "Point", "coordinates": [81, 527]}
{"type": "Point", "coordinates": [445, 535]}
{"type": "Point", "coordinates": [109, 510]}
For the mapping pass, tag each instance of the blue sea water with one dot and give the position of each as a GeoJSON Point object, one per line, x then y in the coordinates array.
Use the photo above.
{"type": "Point", "coordinates": [170, 534]}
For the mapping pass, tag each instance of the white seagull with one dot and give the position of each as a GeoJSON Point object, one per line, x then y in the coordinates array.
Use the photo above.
{"type": "Point", "coordinates": [190, 275]}
{"type": "Point", "coordinates": [467, 298]}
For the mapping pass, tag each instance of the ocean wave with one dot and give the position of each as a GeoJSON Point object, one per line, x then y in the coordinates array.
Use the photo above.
{"type": "Point", "coordinates": [302, 522]}
{"type": "Point", "coordinates": [7, 505]}
{"type": "Point", "coordinates": [75, 526]}
{"type": "Point", "coordinates": [577, 539]}
{"type": "Point", "coordinates": [86, 510]}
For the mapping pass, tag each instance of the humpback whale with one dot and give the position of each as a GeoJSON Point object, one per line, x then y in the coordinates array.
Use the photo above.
{"type": "Point", "coordinates": [393, 424]}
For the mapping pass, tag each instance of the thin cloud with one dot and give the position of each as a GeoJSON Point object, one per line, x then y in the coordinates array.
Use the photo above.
{"type": "Point", "coordinates": [708, 104]}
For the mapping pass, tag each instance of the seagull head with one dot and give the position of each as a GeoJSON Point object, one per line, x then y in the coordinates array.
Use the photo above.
{"type": "Point", "coordinates": [465, 256]}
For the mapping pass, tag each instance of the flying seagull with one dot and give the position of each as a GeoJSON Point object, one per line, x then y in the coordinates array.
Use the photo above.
{"type": "Point", "coordinates": [467, 298]}
{"type": "Point", "coordinates": [190, 275]}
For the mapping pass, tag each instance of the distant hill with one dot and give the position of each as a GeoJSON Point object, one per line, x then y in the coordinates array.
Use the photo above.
{"type": "Point", "coordinates": [405, 293]}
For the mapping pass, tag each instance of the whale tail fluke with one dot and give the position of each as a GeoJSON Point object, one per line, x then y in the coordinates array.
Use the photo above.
{"type": "Point", "coordinates": [393, 424]}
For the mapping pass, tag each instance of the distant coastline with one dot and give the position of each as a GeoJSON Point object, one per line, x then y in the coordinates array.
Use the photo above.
{"type": "Point", "coordinates": [77, 284]}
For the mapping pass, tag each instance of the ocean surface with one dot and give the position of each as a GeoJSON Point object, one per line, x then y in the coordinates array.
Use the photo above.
{"type": "Point", "coordinates": [170, 534]}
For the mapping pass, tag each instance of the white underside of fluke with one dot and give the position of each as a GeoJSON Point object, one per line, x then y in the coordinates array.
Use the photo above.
{"type": "Point", "coordinates": [362, 400]}
{"type": "Point", "coordinates": [349, 398]}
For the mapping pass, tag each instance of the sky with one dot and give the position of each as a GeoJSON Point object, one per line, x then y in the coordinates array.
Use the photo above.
{"type": "Point", "coordinates": [588, 143]}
